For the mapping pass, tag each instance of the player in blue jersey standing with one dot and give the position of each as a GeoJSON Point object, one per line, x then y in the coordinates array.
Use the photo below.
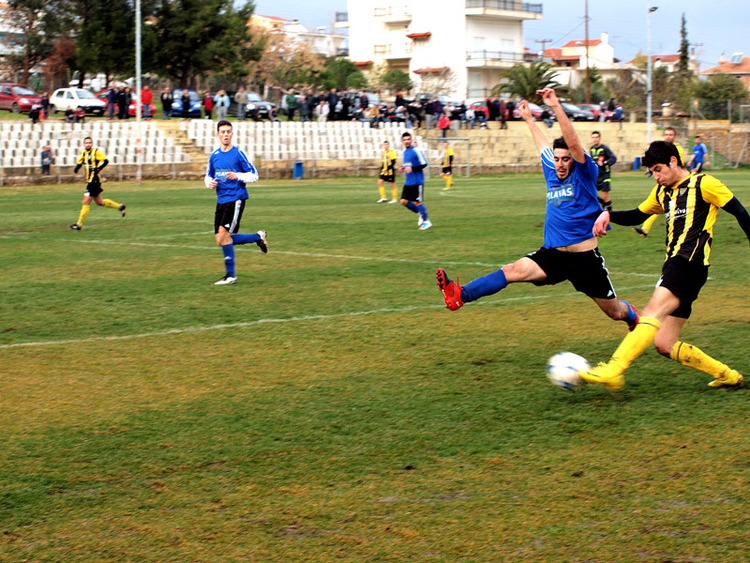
{"type": "Point", "coordinates": [412, 196]}
{"type": "Point", "coordinates": [570, 250]}
{"type": "Point", "coordinates": [229, 170]}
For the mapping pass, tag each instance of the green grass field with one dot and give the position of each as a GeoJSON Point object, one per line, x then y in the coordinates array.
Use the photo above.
{"type": "Point", "coordinates": [328, 408]}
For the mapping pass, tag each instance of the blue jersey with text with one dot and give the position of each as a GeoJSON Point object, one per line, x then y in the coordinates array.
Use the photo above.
{"type": "Point", "coordinates": [219, 164]}
{"type": "Point", "coordinates": [414, 157]}
{"type": "Point", "coordinates": [572, 206]}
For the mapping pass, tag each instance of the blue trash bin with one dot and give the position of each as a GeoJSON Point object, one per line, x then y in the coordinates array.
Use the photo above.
{"type": "Point", "coordinates": [298, 171]}
{"type": "Point", "coordinates": [637, 163]}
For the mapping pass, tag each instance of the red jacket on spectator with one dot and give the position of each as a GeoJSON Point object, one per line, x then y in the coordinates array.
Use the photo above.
{"type": "Point", "coordinates": [147, 96]}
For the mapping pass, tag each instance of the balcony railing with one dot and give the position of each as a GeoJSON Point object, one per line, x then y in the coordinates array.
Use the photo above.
{"type": "Point", "coordinates": [394, 51]}
{"type": "Point", "coordinates": [393, 13]}
{"type": "Point", "coordinates": [494, 56]}
{"type": "Point", "coordinates": [508, 5]}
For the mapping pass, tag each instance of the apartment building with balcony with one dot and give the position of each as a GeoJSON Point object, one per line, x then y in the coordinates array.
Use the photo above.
{"type": "Point", "coordinates": [458, 47]}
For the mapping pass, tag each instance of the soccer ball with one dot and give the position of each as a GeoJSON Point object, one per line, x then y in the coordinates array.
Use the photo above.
{"type": "Point", "coordinates": [563, 368]}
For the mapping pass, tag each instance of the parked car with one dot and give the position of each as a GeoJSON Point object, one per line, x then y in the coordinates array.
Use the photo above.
{"type": "Point", "coordinates": [196, 108]}
{"type": "Point", "coordinates": [575, 113]}
{"type": "Point", "coordinates": [257, 108]}
{"type": "Point", "coordinates": [131, 109]}
{"type": "Point", "coordinates": [18, 98]}
{"type": "Point", "coordinates": [481, 105]}
{"type": "Point", "coordinates": [596, 109]}
{"type": "Point", "coordinates": [71, 98]}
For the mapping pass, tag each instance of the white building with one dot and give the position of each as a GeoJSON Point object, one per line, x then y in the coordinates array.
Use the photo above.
{"type": "Point", "coordinates": [454, 47]}
{"type": "Point", "coordinates": [319, 41]}
{"type": "Point", "coordinates": [570, 60]}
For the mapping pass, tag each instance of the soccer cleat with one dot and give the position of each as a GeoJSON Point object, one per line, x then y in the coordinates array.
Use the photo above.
{"type": "Point", "coordinates": [425, 225]}
{"type": "Point", "coordinates": [451, 290]}
{"type": "Point", "coordinates": [731, 378]}
{"type": "Point", "coordinates": [640, 231]}
{"type": "Point", "coordinates": [604, 374]}
{"type": "Point", "coordinates": [122, 209]}
{"type": "Point", "coordinates": [226, 280]}
{"type": "Point", "coordinates": [393, 201]}
{"type": "Point", "coordinates": [631, 326]}
{"type": "Point", "coordinates": [420, 221]}
{"type": "Point", "coordinates": [75, 227]}
{"type": "Point", "coordinates": [262, 242]}
{"type": "Point", "coordinates": [381, 200]}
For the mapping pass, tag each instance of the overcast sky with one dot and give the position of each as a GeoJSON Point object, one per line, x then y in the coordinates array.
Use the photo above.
{"type": "Point", "coordinates": [713, 26]}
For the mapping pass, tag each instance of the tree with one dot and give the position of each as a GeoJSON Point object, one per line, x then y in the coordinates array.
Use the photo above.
{"type": "Point", "coordinates": [40, 23]}
{"type": "Point", "coordinates": [396, 80]}
{"type": "Point", "coordinates": [100, 44]}
{"type": "Point", "coordinates": [524, 80]}
{"type": "Point", "coordinates": [343, 73]}
{"type": "Point", "coordinates": [285, 63]}
{"type": "Point", "coordinates": [198, 36]}
{"type": "Point", "coordinates": [712, 95]}
{"type": "Point", "coordinates": [683, 66]}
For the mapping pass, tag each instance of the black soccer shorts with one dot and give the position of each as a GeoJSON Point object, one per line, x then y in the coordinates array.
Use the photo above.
{"type": "Point", "coordinates": [228, 215]}
{"type": "Point", "coordinates": [414, 192]}
{"type": "Point", "coordinates": [585, 270]}
{"type": "Point", "coordinates": [685, 280]}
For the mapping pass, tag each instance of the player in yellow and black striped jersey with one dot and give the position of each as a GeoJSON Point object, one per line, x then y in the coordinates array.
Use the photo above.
{"type": "Point", "coordinates": [93, 161]}
{"type": "Point", "coordinates": [669, 136]}
{"type": "Point", "coordinates": [387, 174]}
{"type": "Point", "coordinates": [446, 166]}
{"type": "Point", "coordinates": [690, 203]}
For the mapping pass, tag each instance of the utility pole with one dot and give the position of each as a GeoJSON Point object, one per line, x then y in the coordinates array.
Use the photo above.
{"type": "Point", "coordinates": [544, 45]}
{"type": "Point", "coordinates": [651, 9]}
{"type": "Point", "coordinates": [588, 76]}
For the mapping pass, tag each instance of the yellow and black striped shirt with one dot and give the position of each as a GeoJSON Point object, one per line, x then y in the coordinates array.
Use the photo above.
{"type": "Point", "coordinates": [388, 167]}
{"type": "Point", "coordinates": [690, 208]}
{"type": "Point", "coordinates": [91, 159]}
{"type": "Point", "coordinates": [448, 158]}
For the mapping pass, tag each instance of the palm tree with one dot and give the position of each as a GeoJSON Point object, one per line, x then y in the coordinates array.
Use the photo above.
{"type": "Point", "coordinates": [522, 80]}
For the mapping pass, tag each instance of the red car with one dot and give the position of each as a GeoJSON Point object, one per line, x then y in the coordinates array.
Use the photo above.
{"type": "Point", "coordinates": [131, 110]}
{"type": "Point", "coordinates": [18, 98]}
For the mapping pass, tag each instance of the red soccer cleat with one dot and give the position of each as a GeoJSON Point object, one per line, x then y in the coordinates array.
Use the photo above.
{"type": "Point", "coordinates": [451, 290]}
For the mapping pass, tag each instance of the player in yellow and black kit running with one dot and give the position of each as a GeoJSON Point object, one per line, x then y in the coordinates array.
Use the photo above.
{"type": "Point", "coordinates": [92, 160]}
{"type": "Point", "coordinates": [446, 170]}
{"type": "Point", "coordinates": [690, 203]}
{"type": "Point", "coordinates": [387, 174]}
{"type": "Point", "coordinates": [605, 159]}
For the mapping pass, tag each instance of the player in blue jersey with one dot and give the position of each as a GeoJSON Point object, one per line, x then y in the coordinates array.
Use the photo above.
{"type": "Point", "coordinates": [698, 159]}
{"type": "Point", "coordinates": [412, 195]}
{"type": "Point", "coordinates": [570, 250]}
{"type": "Point", "coordinates": [229, 169]}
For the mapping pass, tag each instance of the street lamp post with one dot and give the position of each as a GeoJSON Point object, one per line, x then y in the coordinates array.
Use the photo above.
{"type": "Point", "coordinates": [139, 102]}
{"type": "Point", "coordinates": [648, 72]}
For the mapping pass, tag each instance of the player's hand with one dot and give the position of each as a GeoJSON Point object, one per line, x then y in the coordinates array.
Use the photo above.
{"type": "Point", "coordinates": [549, 97]}
{"type": "Point", "coordinates": [232, 176]}
{"type": "Point", "coordinates": [601, 224]}
{"type": "Point", "coordinates": [212, 184]}
{"type": "Point", "coordinates": [407, 169]}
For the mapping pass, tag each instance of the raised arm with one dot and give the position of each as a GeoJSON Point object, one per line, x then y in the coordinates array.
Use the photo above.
{"type": "Point", "coordinates": [569, 133]}
{"type": "Point", "coordinates": [540, 139]}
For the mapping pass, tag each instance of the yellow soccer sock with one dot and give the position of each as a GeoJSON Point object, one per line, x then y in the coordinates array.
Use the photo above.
{"type": "Point", "coordinates": [84, 213]}
{"type": "Point", "coordinates": [635, 343]}
{"type": "Point", "coordinates": [394, 193]}
{"type": "Point", "coordinates": [447, 182]}
{"type": "Point", "coordinates": [692, 357]}
{"type": "Point", "coordinates": [110, 203]}
{"type": "Point", "coordinates": [648, 223]}
{"type": "Point", "coordinates": [381, 189]}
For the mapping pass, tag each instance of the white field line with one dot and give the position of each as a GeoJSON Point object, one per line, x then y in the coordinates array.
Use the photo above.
{"type": "Point", "coordinates": [654, 275]}
{"type": "Point", "coordinates": [307, 318]}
